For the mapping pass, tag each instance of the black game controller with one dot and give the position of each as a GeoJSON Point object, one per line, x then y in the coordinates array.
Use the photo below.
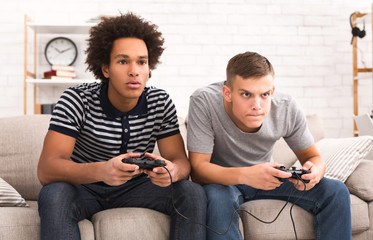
{"type": "Point", "coordinates": [295, 173]}
{"type": "Point", "coordinates": [145, 163]}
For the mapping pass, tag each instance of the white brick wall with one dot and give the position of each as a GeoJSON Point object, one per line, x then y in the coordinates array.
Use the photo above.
{"type": "Point", "coordinates": [307, 41]}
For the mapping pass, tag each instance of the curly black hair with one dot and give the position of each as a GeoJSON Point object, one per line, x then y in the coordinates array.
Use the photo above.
{"type": "Point", "coordinates": [103, 35]}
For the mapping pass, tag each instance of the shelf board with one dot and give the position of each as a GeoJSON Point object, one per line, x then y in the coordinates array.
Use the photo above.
{"type": "Point", "coordinates": [82, 28]}
{"type": "Point", "coordinates": [60, 81]}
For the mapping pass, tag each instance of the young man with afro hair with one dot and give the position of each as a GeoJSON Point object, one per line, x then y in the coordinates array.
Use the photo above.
{"type": "Point", "coordinates": [94, 126]}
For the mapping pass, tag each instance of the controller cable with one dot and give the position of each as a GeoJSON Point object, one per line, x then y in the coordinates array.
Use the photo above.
{"type": "Point", "coordinates": [238, 209]}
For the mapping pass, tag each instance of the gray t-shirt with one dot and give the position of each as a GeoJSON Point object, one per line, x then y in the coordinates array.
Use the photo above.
{"type": "Point", "coordinates": [211, 131]}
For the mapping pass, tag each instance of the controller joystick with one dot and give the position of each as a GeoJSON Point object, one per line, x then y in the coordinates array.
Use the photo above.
{"type": "Point", "coordinates": [295, 173]}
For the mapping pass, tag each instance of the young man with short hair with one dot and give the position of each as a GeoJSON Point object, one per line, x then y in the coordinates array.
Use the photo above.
{"type": "Point", "coordinates": [232, 129]}
{"type": "Point", "coordinates": [94, 126]}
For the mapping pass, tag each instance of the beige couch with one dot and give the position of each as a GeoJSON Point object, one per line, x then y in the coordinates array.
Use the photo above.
{"type": "Point", "coordinates": [20, 145]}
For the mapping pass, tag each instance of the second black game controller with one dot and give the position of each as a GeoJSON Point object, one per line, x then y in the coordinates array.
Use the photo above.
{"type": "Point", "coordinates": [295, 173]}
{"type": "Point", "coordinates": [145, 163]}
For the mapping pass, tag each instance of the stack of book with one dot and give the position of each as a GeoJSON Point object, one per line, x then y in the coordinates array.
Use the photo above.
{"type": "Point", "coordinates": [60, 72]}
{"type": "Point", "coordinates": [47, 108]}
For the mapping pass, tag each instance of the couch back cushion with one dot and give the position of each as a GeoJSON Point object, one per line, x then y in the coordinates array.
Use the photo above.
{"type": "Point", "coordinates": [316, 127]}
{"type": "Point", "coordinates": [21, 142]}
{"type": "Point", "coordinates": [284, 155]}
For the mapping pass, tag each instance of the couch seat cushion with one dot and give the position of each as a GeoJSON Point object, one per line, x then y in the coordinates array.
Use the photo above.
{"type": "Point", "coordinates": [131, 223]}
{"type": "Point", "coordinates": [24, 223]}
{"type": "Point", "coordinates": [20, 222]}
{"type": "Point", "coordinates": [282, 228]}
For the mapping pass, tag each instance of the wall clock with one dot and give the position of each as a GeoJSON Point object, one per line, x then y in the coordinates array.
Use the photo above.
{"type": "Point", "coordinates": [61, 51]}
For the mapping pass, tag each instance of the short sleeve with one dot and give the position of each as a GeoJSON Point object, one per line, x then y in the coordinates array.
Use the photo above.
{"type": "Point", "coordinates": [199, 128]}
{"type": "Point", "coordinates": [298, 136]}
{"type": "Point", "coordinates": [170, 124]}
{"type": "Point", "coordinates": [68, 114]}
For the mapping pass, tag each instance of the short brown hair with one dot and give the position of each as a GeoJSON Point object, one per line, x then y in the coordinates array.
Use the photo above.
{"type": "Point", "coordinates": [103, 35]}
{"type": "Point", "coordinates": [248, 65]}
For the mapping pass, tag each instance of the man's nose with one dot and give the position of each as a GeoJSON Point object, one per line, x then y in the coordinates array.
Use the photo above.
{"type": "Point", "coordinates": [256, 104]}
{"type": "Point", "coordinates": [133, 70]}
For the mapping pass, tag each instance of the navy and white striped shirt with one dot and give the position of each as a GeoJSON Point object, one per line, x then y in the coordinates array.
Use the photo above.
{"type": "Point", "coordinates": [103, 132]}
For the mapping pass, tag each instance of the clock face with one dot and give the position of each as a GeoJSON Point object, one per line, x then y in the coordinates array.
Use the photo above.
{"type": "Point", "coordinates": [61, 51]}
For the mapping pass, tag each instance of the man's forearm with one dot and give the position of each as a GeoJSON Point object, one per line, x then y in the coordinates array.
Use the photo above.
{"type": "Point", "coordinates": [215, 174]}
{"type": "Point", "coordinates": [68, 171]}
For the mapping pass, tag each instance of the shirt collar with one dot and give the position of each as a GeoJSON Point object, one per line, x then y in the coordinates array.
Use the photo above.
{"type": "Point", "coordinates": [140, 108]}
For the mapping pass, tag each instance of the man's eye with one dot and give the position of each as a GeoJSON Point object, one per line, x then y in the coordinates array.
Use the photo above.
{"type": "Point", "coordinates": [143, 62]}
{"type": "Point", "coordinates": [245, 94]}
{"type": "Point", "coordinates": [122, 62]}
{"type": "Point", "coordinates": [265, 94]}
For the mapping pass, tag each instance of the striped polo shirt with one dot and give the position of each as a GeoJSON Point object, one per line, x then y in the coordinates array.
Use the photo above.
{"type": "Point", "coordinates": [103, 132]}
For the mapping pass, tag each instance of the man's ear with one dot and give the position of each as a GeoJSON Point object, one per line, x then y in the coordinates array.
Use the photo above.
{"type": "Point", "coordinates": [105, 70]}
{"type": "Point", "coordinates": [273, 90]}
{"type": "Point", "coordinates": [227, 93]}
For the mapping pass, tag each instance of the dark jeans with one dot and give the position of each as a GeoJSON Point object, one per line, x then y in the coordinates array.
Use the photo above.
{"type": "Point", "coordinates": [329, 201]}
{"type": "Point", "coordinates": [63, 205]}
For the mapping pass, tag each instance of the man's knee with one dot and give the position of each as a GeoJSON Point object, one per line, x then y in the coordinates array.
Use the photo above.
{"type": "Point", "coordinates": [190, 198]}
{"type": "Point", "coordinates": [334, 187]}
{"type": "Point", "coordinates": [56, 194]}
{"type": "Point", "coordinates": [335, 193]}
{"type": "Point", "coordinates": [190, 190]}
{"type": "Point", "coordinates": [220, 195]}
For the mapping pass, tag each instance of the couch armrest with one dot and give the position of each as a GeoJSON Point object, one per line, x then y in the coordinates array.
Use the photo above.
{"type": "Point", "coordinates": [360, 182]}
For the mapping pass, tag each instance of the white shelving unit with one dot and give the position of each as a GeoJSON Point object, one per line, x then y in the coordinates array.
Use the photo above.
{"type": "Point", "coordinates": [59, 81]}
{"type": "Point", "coordinates": [357, 72]}
{"type": "Point", "coordinates": [30, 76]}
{"type": "Point", "coordinates": [82, 28]}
